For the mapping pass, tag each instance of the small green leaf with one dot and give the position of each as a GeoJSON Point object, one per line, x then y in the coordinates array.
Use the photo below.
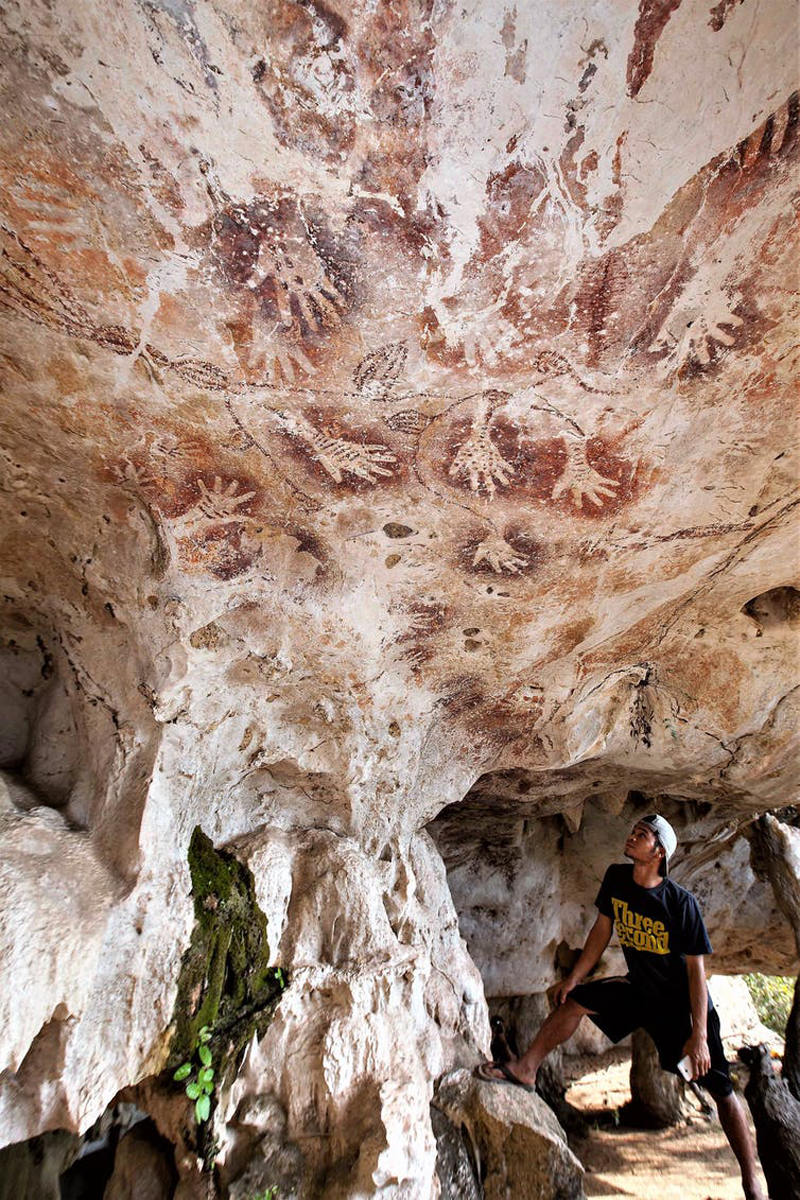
{"type": "Point", "coordinates": [202, 1108]}
{"type": "Point", "coordinates": [184, 1070]}
{"type": "Point", "coordinates": [205, 1034]}
{"type": "Point", "coordinates": [205, 1055]}
{"type": "Point", "coordinates": [193, 1090]}
{"type": "Point", "coordinates": [206, 1075]}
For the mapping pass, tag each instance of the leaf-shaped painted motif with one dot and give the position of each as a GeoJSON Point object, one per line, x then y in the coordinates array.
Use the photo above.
{"type": "Point", "coordinates": [379, 369]}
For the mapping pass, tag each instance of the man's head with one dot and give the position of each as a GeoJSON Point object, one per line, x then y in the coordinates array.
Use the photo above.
{"type": "Point", "coordinates": [652, 838]}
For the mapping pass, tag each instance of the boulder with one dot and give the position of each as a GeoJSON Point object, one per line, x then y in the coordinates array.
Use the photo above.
{"type": "Point", "coordinates": [455, 1169]}
{"type": "Point", "coordinates": [517, 1143]}
{"type": "Point", "coordinates": [31, 1170]}
{"type": "Point", "coordinates": [739, 1022]}
{"type": "Point", "coordinates": [776, 1116]}
{"type": "Point", "coordinates": [658, 1097]}
{"type": "Point", "coordinates": [144, 1167]}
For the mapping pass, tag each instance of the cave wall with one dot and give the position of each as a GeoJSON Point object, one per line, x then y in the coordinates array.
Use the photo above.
{"type": "Point", "coordinates": [396, 429]}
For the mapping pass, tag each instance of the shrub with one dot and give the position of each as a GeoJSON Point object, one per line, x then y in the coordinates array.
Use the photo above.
{"type": "Point", "coordinates": [772, 997]}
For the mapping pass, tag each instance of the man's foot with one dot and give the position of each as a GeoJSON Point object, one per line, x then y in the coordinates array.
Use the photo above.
{"type": "Point", "coordinates": [493, 1072]}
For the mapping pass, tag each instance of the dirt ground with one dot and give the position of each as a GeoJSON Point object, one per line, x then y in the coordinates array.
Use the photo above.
{"type": "Point", "coordinates": [688, 1162]}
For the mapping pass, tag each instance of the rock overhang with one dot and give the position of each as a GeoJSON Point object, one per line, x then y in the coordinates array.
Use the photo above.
{"type": "Point", "coordinates": [397, 411]}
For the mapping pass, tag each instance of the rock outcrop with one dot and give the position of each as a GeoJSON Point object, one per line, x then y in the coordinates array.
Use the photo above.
{"type": "Point", "coordinates": [519, 1147]}
{"type": "Point", "coordinates": [776, 1116]}
{"type": "Point", "coordinates": [397, 485]}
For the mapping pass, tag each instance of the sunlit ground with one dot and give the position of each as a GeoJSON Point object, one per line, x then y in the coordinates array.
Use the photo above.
{"type": "Point", "coordinates": [691, 1161]}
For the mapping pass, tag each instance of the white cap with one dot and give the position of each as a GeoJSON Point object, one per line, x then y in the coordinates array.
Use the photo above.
{"type": "Point", "coordinates": [665, 835]}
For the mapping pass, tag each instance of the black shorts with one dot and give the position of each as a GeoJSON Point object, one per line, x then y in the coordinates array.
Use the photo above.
{"type": "Point", "coordinates": [618, 1007]}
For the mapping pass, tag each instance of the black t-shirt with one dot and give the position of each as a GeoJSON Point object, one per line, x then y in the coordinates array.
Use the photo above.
{"type": "Point", "coordinates": [657, 927]}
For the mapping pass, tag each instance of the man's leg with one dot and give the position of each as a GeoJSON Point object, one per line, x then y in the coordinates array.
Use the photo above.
{"type": "Point", "coordinates": [561, 1024]}
{"type": "Point", "coordinates": [734, 1125]}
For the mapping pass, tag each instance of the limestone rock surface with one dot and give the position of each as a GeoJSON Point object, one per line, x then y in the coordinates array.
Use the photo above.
{"type": "Point", "coordinates": [398, 482]}
{"type": "Point", "coordinates": [143, 1170]}
{"type": "Point", "coordinates": [520, 1147]}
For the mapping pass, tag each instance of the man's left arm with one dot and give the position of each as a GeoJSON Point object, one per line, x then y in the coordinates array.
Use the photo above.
{"type": "Point", "coordinates": [697, 1045]}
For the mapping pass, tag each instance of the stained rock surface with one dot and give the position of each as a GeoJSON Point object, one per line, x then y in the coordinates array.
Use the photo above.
{"type": "Point", "coordinates": [398, 484]}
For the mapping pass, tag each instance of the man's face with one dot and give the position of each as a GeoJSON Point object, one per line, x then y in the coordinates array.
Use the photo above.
{"type": "Point", "coordinates": [642, 845]}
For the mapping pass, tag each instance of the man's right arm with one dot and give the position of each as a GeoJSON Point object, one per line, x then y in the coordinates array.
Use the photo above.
{"type": "Point", "coordinates": [598, 939]}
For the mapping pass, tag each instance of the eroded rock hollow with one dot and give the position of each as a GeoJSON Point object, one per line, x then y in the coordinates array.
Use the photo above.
{"type": "Point", "coordinates": [398, 487]}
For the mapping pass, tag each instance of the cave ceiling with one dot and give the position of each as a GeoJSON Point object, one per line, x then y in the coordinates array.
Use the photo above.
{"type": "Point", "coordinates": [409, 384]}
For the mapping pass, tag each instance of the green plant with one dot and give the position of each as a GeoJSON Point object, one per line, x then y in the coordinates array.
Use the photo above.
{"type": "Point", "coordinates": [270, 1193]}
{"type": "Point", "coordinates": [772, 997]}
{"type": "Point", "coordinates": [200, 1077]}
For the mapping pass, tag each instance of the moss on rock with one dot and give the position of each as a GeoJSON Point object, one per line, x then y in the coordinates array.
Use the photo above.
{"type": "Point", "coordinates": [225, 982]}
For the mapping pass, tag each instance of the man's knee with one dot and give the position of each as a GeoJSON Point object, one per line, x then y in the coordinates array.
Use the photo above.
{"type": "Point", "coordinates": [727, 1103]}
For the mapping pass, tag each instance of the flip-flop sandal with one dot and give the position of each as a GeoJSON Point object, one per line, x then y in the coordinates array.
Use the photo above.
{"type": "Point", "coordinates": [482, 1072]}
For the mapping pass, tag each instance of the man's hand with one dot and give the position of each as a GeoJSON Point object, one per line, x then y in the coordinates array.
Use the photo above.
{"type": "Point", "coordinates": [563, 989]}
{"type": "Point", "coordinates": [697, 1049]}
{"type": "Point", "coordinates": [598, 939]}
{"type": "Point", "coordinates": [697, 1045]}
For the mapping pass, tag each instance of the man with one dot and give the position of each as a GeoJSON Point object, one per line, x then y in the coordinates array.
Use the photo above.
{"type": "Point", "coordinates": [663, 938]}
